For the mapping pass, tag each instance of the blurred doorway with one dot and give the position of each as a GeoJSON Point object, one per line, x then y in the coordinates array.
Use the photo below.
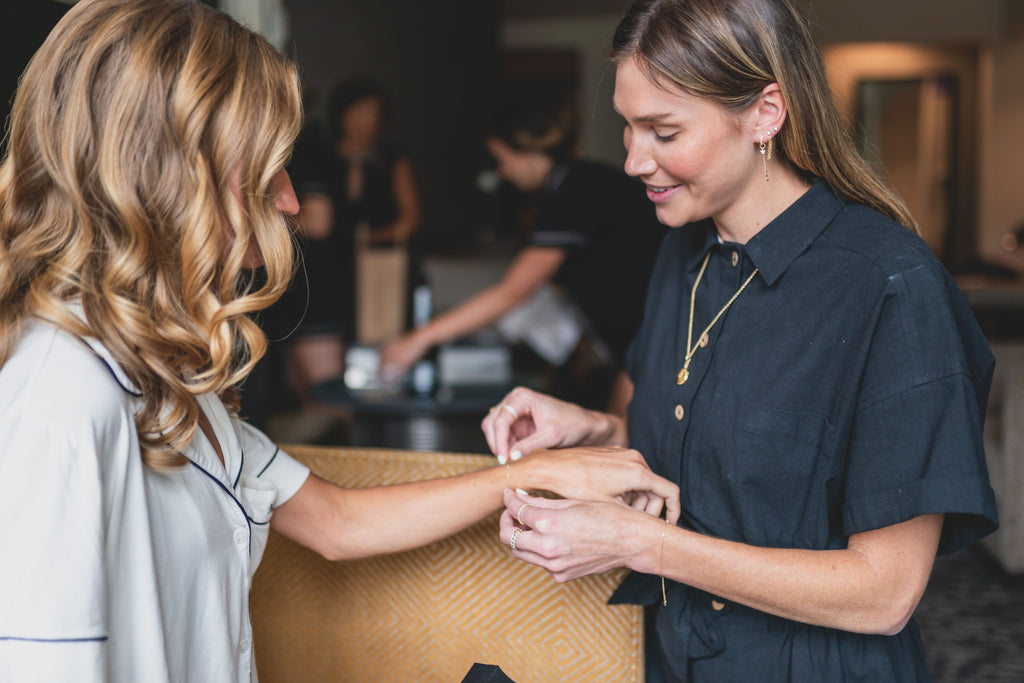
{"type": "Point", "coordinates": [908, 132]}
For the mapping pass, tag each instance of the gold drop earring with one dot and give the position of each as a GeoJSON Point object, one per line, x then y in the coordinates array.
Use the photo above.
{"type": "Point", "coordinates": [766, 152]}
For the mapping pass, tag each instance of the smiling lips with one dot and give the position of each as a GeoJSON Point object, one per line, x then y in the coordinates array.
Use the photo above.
{"type": "Point", "coordinates": [660, 194]}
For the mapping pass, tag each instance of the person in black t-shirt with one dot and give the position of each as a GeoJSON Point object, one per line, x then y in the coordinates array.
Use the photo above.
{"type": "Point", "coordinates": [593, 233]}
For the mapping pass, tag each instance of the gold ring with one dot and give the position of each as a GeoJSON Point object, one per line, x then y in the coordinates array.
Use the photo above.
{"type": "Point", "coordinates": [519, 515]}
{"type": "Point", "coordinates": [511, 411]}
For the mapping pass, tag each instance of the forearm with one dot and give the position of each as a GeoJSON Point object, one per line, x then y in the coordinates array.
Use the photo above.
{"type": "Point", "coordinates": [470, 316]}
{"type": "Point", "coordinates": [398, 232]}
{"type": "Point", "coordinates": [866, 588]}
{"type": "Point", "coordinates": [350, 524]}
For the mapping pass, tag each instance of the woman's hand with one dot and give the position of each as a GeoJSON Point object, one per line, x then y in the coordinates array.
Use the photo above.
{"type": "Point", "coordinates": [398, 355]}
{"type": "Point", "coordinates": [602, 474]}
{"type": "Point", "coordinates": [571, 538]}
{"type": "Point", "coordinates": [526, 420]}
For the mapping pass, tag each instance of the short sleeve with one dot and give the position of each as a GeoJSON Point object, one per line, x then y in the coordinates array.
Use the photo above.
{"type": "Point", "coordinates": [268, 463]}
{"type": "Point", "coordinates": [568, 216]}
{"type": "Point", "coordinates": [916, 445]}
{"type": "Point", "coordinates": [53, 606]}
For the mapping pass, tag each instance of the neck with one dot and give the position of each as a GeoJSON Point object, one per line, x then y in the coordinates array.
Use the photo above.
{"type": "Point", "coordinates": [541, 166]}
{"type": "Point", "coordinates": [762, 203]}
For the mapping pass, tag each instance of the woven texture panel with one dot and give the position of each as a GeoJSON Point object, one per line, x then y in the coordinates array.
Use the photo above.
{"type": "Point", "coordinates": [430, 614]}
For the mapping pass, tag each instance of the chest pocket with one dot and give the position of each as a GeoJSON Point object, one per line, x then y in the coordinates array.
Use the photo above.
{"type": "Point", "coordinates": [765, 477]}
{"type": "Point", "coordinates": [258, 498]}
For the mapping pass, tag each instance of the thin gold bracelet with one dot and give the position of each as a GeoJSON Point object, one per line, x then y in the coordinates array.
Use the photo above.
{"type": "Point", "coordinates": [664, 598]}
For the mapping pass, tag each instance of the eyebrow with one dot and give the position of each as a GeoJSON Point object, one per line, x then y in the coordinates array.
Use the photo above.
{"type": "Point", "coordinates": [646, 118]}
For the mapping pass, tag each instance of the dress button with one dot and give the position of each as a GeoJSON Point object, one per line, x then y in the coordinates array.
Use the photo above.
{"type": "Point", "coordinates": [241, 537]}
{"type": "Point", "coordinates": [735, 259]}
{"type": "Point", "coordinates": [717, 606]}
{"type": "Point", "coordinates": [680, 412]}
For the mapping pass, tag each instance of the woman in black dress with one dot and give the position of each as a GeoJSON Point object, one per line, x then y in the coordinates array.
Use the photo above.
{"type": "Point", "coordinates": [807, 373]}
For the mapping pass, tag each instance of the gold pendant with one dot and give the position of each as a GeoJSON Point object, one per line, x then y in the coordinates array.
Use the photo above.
{"type": "Point", "coordinates": [683, 375]}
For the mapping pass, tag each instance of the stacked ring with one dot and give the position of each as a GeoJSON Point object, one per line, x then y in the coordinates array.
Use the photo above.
{"type": "Point", "coordinates": [515, 535]}
{"type": "Point", "coordinates": [519, 515]}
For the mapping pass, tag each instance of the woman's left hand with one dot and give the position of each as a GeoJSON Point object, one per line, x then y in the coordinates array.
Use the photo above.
{"type": "Point", "coordinates": [571, 538]}
{"type": "Point", "coordinates": [607, 474]}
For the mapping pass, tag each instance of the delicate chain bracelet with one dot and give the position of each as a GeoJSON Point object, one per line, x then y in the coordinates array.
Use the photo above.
{"type": "Point", "coordinates": [664, 598]}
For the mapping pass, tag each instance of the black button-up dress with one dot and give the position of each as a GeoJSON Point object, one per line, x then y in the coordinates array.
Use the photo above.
{"type": "Point", "coordinates": [843, 391]}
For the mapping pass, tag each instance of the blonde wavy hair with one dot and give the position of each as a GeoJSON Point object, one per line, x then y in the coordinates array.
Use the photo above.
{"type": "Point", "coordinates": [144, 138]}
{"type": "Point", "coordinates": [728, 51]}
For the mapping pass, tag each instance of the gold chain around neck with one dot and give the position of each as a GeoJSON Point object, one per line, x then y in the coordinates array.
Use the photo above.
{"type": "Point", "coordinates": [684, 372]}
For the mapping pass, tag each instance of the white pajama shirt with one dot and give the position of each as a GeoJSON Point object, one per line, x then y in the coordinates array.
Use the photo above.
{"type": "Point", "coordinates": [110, 571]}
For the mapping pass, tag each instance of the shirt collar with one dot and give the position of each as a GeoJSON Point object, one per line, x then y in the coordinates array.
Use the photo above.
{"type": "Point", "coordinates": [103, 353]}
{"type": "Point", "coordinates": [214, 409]}
{"type": "Point", "coordinates": [779, 243]}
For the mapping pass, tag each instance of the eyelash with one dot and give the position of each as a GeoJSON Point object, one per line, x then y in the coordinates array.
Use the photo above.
{"type": "Point", "coordinates": [665, 138]}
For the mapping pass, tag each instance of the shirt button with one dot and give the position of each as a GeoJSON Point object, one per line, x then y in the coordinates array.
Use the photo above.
{"type": "Point", "coordinates": [680, 412]}
{"type": "Point", "coordinates": [241, 537]}
{"type": "Point", "coordinates": [244, 646]}
{"type": "Point", "coordinates": [735, 259]}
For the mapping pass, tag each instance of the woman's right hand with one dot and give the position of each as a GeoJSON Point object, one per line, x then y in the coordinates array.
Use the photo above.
{"type": "Point", "coordinates": [398, 355]}
{"type": "Point", "coordinates": [526, 420]}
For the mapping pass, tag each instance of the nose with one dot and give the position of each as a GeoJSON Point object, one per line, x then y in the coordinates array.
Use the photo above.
{"type": "Point", "coordinates": [639, 162]}
{"type": "Point", "coordinates": [284, 194]}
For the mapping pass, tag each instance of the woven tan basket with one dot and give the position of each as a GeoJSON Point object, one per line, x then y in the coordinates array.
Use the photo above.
{"type": "Point", "coordinates": [430, 614]}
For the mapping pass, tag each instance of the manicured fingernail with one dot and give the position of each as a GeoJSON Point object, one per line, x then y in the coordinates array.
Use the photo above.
{"type": "Point", "coordinates": [501, 459]}
{"type": "Point", "coordinates": [522, 492]}
{"type": "Point", "coordinates": [515, 455]}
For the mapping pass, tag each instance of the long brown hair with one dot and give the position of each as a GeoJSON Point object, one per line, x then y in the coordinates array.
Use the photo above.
{"type": "Point", "coordinates": [728, 51]}
{"type": "Point", "coordinates": [143, 141]}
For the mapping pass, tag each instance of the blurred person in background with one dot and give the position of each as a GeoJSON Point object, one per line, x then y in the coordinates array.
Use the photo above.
{"type": "Point", "coordinates": [590, 231]}
{"type": "Point", "coordinates": [358, 189]}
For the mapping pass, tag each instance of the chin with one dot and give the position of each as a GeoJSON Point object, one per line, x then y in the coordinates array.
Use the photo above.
{"type": "Point", "coordinates": [672, 219]}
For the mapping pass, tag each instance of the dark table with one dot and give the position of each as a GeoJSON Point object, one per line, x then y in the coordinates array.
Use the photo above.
{"type": "Point", "coordinates": [449, 420]}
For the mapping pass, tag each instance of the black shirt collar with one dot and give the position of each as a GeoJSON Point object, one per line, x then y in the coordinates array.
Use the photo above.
{"type": "Point", "coordinates": [779, 243]}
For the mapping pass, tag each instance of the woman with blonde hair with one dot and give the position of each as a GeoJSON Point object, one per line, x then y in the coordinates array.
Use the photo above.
{"type": "Point", "coordinates": [807, 373]}
{"type": "Point", "coordinates": [143, 181]}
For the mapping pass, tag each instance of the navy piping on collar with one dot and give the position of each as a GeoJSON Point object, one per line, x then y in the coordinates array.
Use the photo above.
{"type": "Point", "coordinates": [113, 374]}
{"type": "Point", "coordinates": [248, 520]}
{"type": "Point", "coordinates": [241, 465]}
{"type": "Point", "coordinates": [272, 458]}
{"type": "Point", "coordinates": [96, 639]}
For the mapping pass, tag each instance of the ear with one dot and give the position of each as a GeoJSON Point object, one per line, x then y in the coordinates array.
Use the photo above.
{"type": "Point", "coordinates": [770, 112]}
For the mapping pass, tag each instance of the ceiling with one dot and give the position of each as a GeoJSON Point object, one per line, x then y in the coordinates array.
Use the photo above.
{"type": "Point", "coordinates": [839, 20]}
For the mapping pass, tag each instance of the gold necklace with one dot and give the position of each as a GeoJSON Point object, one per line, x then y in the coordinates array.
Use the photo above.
{"type": "Point", "coordinates": [684, 373]}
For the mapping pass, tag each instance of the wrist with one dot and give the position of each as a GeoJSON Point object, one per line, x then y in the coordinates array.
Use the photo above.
{"type": "Point", "coordinates": [530, 473]}
{"type": "Point", "coordinates": [649, 553]}
{"type": "Point", "coordinates": [421, 339]}
{"type": "Point", "coordinates": [605, 430]}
